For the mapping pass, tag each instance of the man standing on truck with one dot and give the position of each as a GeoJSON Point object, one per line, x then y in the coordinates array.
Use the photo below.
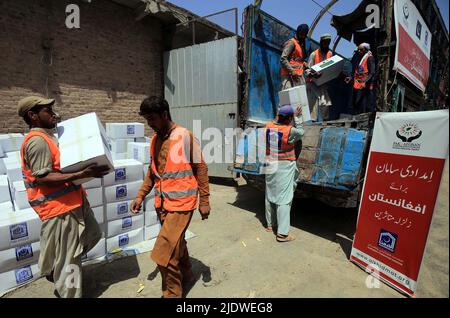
{"type": "Point", "coordinates": [363, 95]}
{"type": "Point", "coordinates": [293, 59]}
{"type": "Point", "coordinates": [318, 98]}
{"type": "Point", "coordinates": [69, 228]}
{"type": "Point", "coordinates": [281, 173]}
{"type": "Point", "coordinates": [179, 175]}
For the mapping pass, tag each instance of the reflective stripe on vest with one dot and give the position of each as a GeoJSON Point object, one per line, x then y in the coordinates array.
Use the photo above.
{"type": "Point", "coordinates": [362, 72]}
{"type": "Point", "coordinates": [176, 188]}
{"type": "Point", "coordinates": [49, 201]}
{"type": "Point", "coordinates": [54, 195]}
{"type": "Point", "coordinates": [319, 58]}
{"type": "Point", "coordinates": [281, 150]}
{"type": "Point", "coordinates": [296, 59]}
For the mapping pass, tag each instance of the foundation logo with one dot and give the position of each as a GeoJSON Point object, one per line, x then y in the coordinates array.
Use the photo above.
{"type": "Point", "coordinates": [123, 240]}
{"type": "Point", "coordinates": [387, 240]}
{"type": "Point", "coordinates": [121, 174]}
{"type": "Point", "coordinates": [121, 191]}
{"type": "Point", "coordinates": [23, 274]}
{"type": "Point", "coordinates": [18, 231]}
{"type": "Point", "coordinates": [24, 252]}
{"type": "Point", "coordinates": [407, 134]}
{"type": "Point", "coordinates": [130, 129]}
{"type": "Point", "coordinates": [122, 208]}
{"type": "Point", "coordinates": [127, 222]}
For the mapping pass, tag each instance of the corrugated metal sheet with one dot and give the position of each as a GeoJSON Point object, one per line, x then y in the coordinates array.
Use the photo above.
{"type": "Point", "coordinates": [201, 84]}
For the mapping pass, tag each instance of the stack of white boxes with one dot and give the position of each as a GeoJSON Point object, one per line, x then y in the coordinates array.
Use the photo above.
{"type": "Point", "coordinates": [19, 224]}
{"type": "Point", "coordinates": [120, 188]}
{"type": "Point", "coordinates": [121, 135]}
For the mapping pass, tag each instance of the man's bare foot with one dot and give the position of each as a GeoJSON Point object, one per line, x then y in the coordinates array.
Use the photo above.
{"type": "Point", "coordinates": [269, 229]}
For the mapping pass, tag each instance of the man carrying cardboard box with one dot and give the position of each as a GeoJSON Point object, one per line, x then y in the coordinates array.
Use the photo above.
{"type": "Point", "coordinates": [281, 172]}
{"type": "Point", "coordinates": [293, 59]}
{"type": "Point", "coordinates": [319, 100]}
{"type": "Point", "coordinates": [179, 175]}
{"type": "Point", "coordinates": [69, 229]}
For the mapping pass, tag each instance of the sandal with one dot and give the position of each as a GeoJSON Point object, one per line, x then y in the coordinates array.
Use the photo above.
{"type": "Point", "coordinates": [286, 238]}
{"type": "Point", "coordinates": [269, 229]}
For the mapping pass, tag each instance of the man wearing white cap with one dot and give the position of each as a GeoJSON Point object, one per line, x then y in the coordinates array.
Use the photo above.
{"type": "Point", "coordinates": [281, 172]}
{"type": "Point", "coordinates": [363, 77]}
{"type": "Point", "coordinates": [318, 98]}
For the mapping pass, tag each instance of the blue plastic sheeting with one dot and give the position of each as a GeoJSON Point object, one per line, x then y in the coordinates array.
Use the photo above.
{"type": "Point", "coordinates": [338, 163]}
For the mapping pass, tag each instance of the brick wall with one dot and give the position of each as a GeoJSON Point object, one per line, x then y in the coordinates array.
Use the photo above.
{"type": "Point", "coordinates": [108, 65]}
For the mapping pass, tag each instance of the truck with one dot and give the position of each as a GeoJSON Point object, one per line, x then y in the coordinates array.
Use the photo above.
{"type": "Point", "coordinates": [332, 154]}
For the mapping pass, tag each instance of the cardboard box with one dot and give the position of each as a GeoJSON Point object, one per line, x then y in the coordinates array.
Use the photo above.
{"type": "Point", "coordinates": [125, 240]}
{"type": "Point", "coordinates": [125, 224]}
{"type": "Point", "coordinates": [122, 192]}
{"type": "Point", "coordinates": [6, 207]}
{"type": "Point", "coordinates": [118, 210]}
{"type": "Point", "coordinates": [82, 142]}
{"type": "Point", "coordinates": [142, 139]}
{"type": "Point", "coordinates": [99, 213]}
{"type": "Point", "coordinates": [151, 218]}
{"type": "Point", "coordinates": [94, 183]}
{"type": "Point", "coordinates": [18, 228]}
{"type": "Point", "coordinates": [139, 151]}
{"type": "Point", "coordinates": [145, 167]}
{"type": "Point", "coordinates": [120, 145]}
{"type": "Point", "coordinates": [119, 156]}
{"type": "Point", "coordinates": [4, 189]}
{"type": "Point", "coordinates": [125, 130]}
{"type": "Point", "coordinates": [19, 276]}
{"type": "Point", "coordinates": [9, 158]}
{"type": "Point", "coordinates": [125, 171]}
{"type": "Point", "coordinates": [152, 231]}
{"type": "Point", "coordinates": [20, 196]}
{"type": "Point", "coordinates": [149, 203]}
{"type": "Point", "coordinates": [296, 96]}
{"type": "Point", "coordinates": [99, 250]}
{"type": "Point", "coordinates": [95, 196]}
{"type": "Point", "coordinates": [19, 256]}
{"type": "Point", "coordinates": [14, 172]}
{"type": "Point", "coordinates": [330, 69]}
{"type": "Point", "coordinates": [11, 142]}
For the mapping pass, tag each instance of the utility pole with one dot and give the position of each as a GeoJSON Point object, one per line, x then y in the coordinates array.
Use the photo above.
{"type": "Point", "coordinates": [388, 12]}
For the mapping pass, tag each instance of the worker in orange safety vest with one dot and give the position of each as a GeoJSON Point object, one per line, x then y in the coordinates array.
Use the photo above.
{"type": "Point", "coordinates": [69, 229]}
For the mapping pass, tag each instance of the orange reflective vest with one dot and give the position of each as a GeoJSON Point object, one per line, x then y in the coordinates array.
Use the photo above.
{"type": "Point", "coordinates": [319, 58]}
{"type": "Point", "coordinates": [277, 146]}
{"type": "Point", "coordinates": [361, 72]}
{"type": "Point", "coordinates": [296, 60]}
{"type": "Point", "coordinates": [50, 201]}
{"type": "Point", "coordinates": [176, 189]}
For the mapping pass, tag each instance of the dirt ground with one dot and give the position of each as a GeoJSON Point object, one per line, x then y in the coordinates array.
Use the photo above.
{"type": "Point", "coordinates": [233, 256]}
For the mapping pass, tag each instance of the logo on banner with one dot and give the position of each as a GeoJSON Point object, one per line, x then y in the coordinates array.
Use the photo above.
{"type": "Point", "coordinates": [419, 29]}
{"type": "Point", "coordinates": [24, 252]}
{"type": "Point", "coordinates": [387, 240]}
{"type": "Point", "coordinates": [407, 134]}
{"type": "Point", "coordinates": [406, 11]}
{"type": "Point", "coordinates": [426, 38]}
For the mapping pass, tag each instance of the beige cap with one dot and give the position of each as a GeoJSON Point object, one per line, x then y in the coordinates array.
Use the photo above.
{"type": "Point", "coordinates": [27, 103]}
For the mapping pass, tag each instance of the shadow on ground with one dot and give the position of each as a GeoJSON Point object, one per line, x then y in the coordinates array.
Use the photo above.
{"type": "Point", "coordinates": [334, 224]}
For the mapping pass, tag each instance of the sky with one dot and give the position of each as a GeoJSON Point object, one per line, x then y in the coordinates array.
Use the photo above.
{"type": "Point", "coordinates": [291, 12]}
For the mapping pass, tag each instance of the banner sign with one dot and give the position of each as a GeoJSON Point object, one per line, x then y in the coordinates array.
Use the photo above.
{"type": "Point", "coordinates": [413, 48]}
{"type": "Point", "coordinates": [403, 175]}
